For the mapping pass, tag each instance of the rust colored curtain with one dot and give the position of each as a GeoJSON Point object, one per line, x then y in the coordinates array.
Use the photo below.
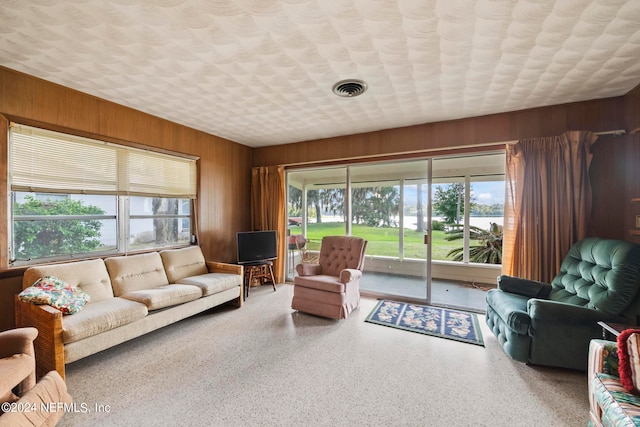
{"type": "Point", "coordinates": [268, 204]}
{"type": "Point", "coordinates": [548, 202]}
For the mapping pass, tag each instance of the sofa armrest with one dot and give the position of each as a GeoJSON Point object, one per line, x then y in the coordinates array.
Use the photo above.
{"type": "Point", "coordinates": [524, 287]}
{"type": "Point", "coordinates": [603, 357]}
{"type": "Point", "coordinates": [223, 267]}
{"type": "Point", "coordinates": [349, 275]}
{"type": "Point", "coordinates": [48, 346]}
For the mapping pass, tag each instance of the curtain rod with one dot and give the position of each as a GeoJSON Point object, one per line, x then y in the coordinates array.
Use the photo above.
{"type": "Point", "coordinates": [616, 132]}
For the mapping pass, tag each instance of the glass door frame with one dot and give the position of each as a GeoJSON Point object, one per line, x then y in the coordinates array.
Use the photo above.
{"type": "Point", "coordinates": [429, 247]}
{"type": "Point", "coordinates": [401, 177]}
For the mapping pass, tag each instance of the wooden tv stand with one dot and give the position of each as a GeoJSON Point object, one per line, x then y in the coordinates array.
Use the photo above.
{"type": "Point", "coordinates": [262, 271]}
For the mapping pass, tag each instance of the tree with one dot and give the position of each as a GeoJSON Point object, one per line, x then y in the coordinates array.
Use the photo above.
{"type": "Point", "coordinates": [489, 248]}
{"type": "Point", "coordinates": [295, 201]}
{"type": "Point", "coordinates": [496, 209]}
{"type": "Point", "coordinates": [448, 202]}
{"type": "Point", "coordinates": [419, 210]}
{"type": "Point", "coordinates": [332, 200]}
{"type": "Point", "coordinates": [166, 230]}
{"type": "Point", "coordinates": [46, 238]}
{"type": "Point", "coordinates": [376, 206]}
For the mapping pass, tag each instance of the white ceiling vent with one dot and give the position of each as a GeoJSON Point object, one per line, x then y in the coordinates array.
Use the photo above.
{"type": "Point", "coordinates": [349, 88]}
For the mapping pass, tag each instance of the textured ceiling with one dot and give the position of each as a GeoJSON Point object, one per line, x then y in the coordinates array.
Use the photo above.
{"type": "Point", "coordinates": [260, 72]}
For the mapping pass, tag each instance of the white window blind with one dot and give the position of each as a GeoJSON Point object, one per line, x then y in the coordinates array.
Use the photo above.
{"type": "Point", "coordinates": [48, 161]}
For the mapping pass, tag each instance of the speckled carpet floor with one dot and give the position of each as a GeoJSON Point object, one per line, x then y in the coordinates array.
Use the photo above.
{"type": "Point", "coordinates": [267, 365]}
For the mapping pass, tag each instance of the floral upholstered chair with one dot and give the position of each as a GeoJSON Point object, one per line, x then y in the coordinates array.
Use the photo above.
{"type": "Point", "coordinates": [613, 381]}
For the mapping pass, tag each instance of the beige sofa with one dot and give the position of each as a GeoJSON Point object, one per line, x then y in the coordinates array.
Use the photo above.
{"type": "Point", "coordinates": [130, 296]}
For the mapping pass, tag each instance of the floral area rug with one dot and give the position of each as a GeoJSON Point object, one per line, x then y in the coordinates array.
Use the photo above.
{"type": "Point", "coordinates": [440, 322]}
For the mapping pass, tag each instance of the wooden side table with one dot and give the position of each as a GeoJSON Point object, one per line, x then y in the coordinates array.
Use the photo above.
{"type": "Point", "coordinates": [261, 272]}
{"type": "Point", "coordinates": [610, 331]}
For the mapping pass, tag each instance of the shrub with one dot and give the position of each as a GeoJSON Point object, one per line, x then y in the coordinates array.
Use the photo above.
{"type": "Point", "coordinates": [43, 238]}
{"type": "Point", "coordinates": [437, 225]}
{"type": "Point", "coordinates": [489, 249]}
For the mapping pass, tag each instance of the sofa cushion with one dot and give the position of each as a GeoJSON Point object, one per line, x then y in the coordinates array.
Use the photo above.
{"type": "Point", "coordinates": [101, 316]}
{"type": "Point", "coordinates": [164, 296]}
{"type": "Point", "coordinates": [90, 276]}
{"type": "Point", "coordinates": [212, 283]}
{"type": "Point", "coordinates": [619, 407]}
{"type": "Point", "coordinates": [184, 262]}
{"type": "Point", "coordinates": [321, 282]}
{"type": "Point", "coordinates": [136, 272]}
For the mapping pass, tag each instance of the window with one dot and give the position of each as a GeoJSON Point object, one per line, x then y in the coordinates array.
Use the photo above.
{"type": "Point", "coordinates": [74, 197]}
{"type": "Point", "coordinates": [155, 221]}
{"type": "Point", "coordinates": [468, 208]}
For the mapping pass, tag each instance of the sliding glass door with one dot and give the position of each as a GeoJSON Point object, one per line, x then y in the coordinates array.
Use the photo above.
{"type": "Point", "coordinates": [427, 223]}
{"type": "Point", "coordinates": [390, 210]}
{"type": "Point", "coordinates": [317, 207]}
{"type": "Point", "coordinates": [468, 213]}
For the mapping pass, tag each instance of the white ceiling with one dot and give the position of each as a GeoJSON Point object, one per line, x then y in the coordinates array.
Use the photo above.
{"type": "Point", "coordinates": [260, 72]}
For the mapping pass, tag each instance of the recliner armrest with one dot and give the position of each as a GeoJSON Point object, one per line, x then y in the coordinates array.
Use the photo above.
{"type": "Point", "coordinates": [556, 311]}
{"type": "Point", "coordinates": [349, 275]}
{"type": "Point", "coordinates": [308, 269]}
{"type": "Point", "coordinates": [50, 390]}
{"type": "Point", "coordinates": [524, 287]}
{"type": "Point", "coordinates": [16, 341]}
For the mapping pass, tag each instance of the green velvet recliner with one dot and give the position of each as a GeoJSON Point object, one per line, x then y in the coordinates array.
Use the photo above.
{"type": "Point", "coordinates": [552, 324]}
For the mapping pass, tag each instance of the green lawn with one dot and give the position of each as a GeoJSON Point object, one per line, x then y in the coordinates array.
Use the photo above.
{"type": "Point", "coordinates": [382, 241]}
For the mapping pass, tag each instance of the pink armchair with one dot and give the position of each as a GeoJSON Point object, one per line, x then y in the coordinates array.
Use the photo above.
{"type": "Point", "coordinates": [27, 399]}
{"type": "Point", "coordinates": [331, 287]}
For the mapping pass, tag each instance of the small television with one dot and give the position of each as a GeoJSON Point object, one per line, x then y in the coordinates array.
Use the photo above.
{"type": "Point", "coordinates": [255, 247]}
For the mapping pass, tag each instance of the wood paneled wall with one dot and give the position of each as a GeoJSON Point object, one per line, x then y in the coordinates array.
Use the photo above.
{"type": "Point", "coordinates": [632, 162]}
{"type": "Point", "coordinates": [615, 177]}
{"type": "Point", "coordinates": [224, 166]}
{"type": "Point", "coordinates": [597, 115]}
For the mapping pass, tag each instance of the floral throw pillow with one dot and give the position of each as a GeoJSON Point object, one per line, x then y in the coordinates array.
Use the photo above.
{"type": "Point", "coordinates": [56, 293]}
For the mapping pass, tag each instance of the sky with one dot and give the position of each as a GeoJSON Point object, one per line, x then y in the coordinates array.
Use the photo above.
{"type": "Point", "coordinates": [488, 193]}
